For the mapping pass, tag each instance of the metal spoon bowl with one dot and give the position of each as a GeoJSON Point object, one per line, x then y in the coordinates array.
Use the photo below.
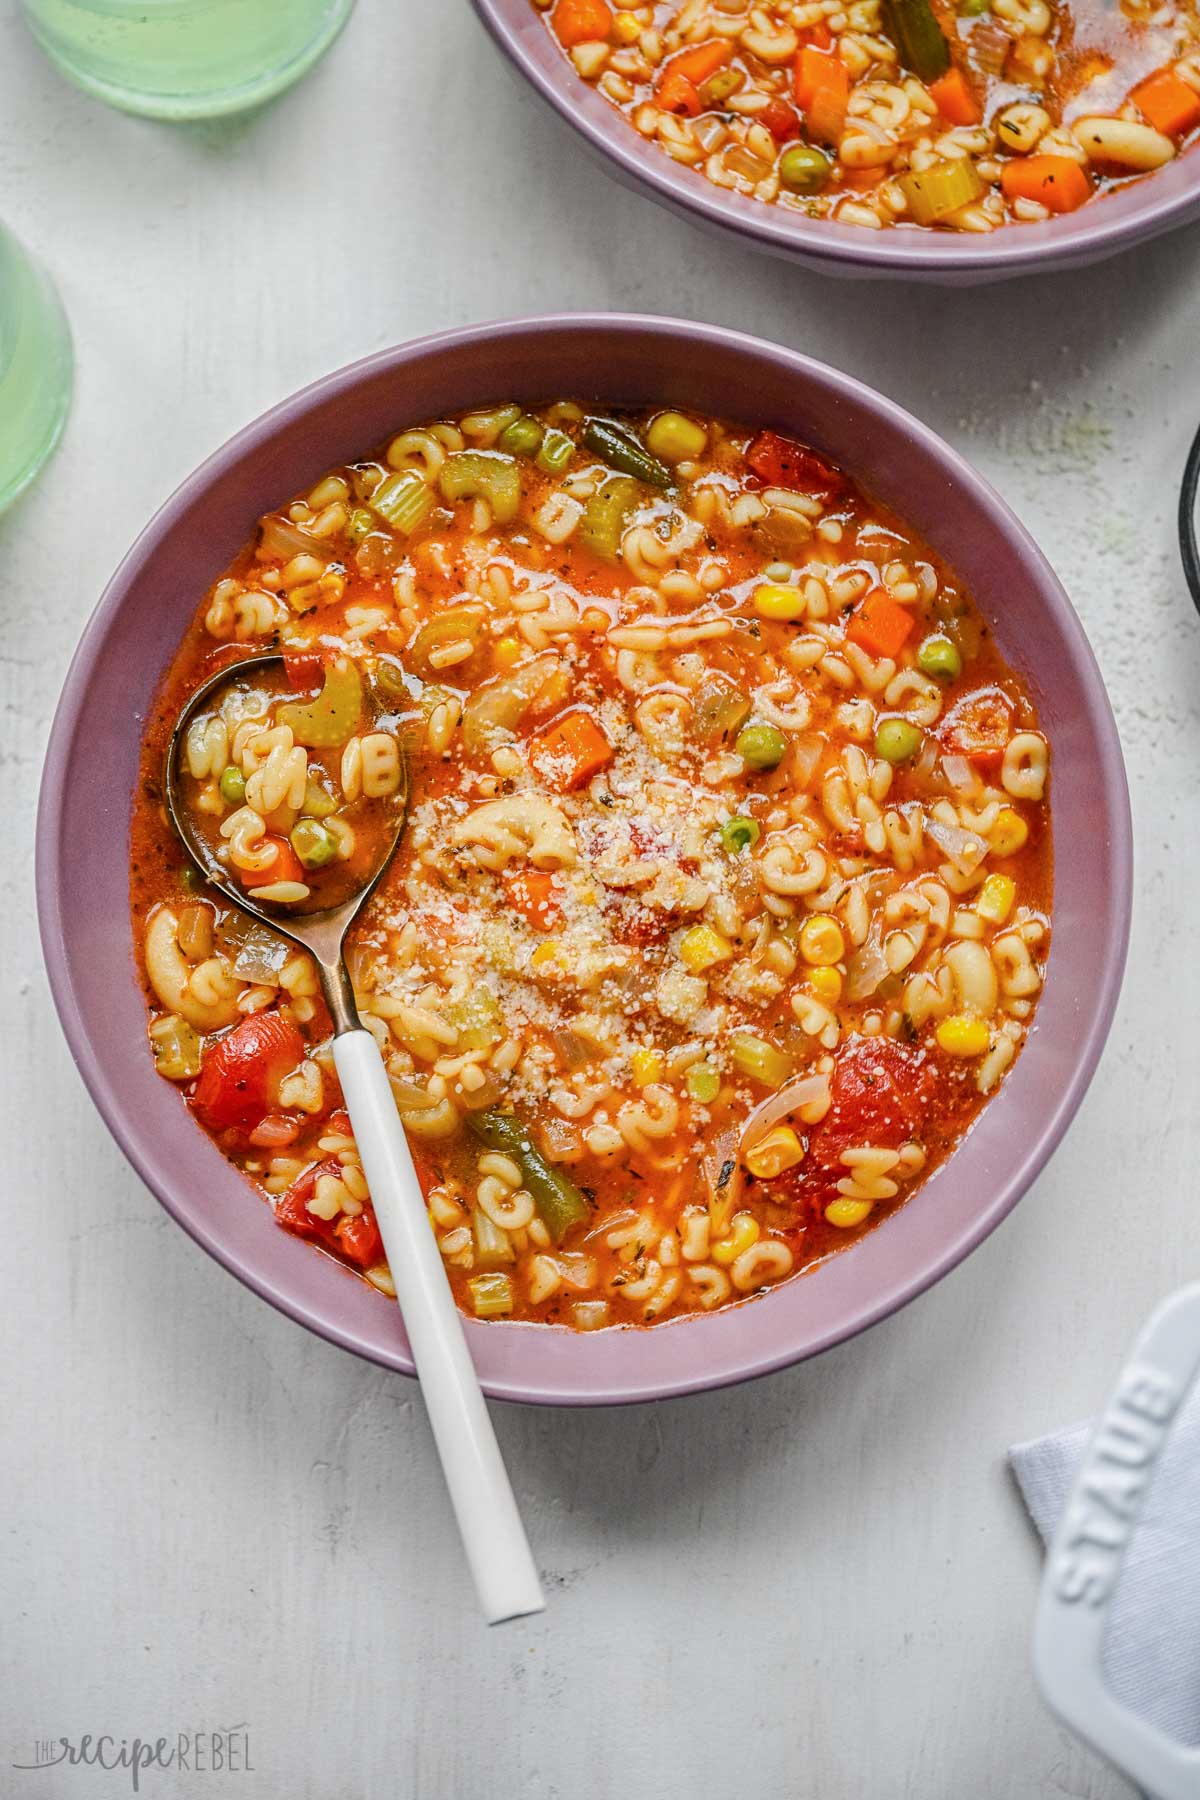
{"type": "Point", "coordinates": [322, 932]}
{"type": "Point", "coordinates": [493, 1536]}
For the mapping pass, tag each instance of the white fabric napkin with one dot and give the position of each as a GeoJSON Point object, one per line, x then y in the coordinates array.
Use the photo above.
{"type": "Point", "coordinates": [1152, 1648]}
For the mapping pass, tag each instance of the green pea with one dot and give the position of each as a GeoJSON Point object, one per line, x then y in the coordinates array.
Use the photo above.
{"type": "Point", "coordinates": [232, 785]}
{"type": "Point", "coordinates": [760, 746]}
{"type": "Point", "coordinates": [556, 452]}
{"type": "Point", "coordinates": [522, 437]}
{"type": "Point", "coordinates": [313, 843]}
{"type": "Point", "coordinates": [896, 740]}
{"type": "Point", "coordinates": [804, 169]}
{"type": "Point", "coordinates": [739, 834]}
{"type": "Point", "coordinates": [940, 658]}
{"type": "Point", "coordinates": [703, 1082]}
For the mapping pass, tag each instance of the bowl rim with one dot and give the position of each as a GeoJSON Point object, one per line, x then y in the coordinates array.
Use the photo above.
{"type": "Point", "coordinates": [517, 1378]}
{"type": "Point", "coordinates": [1114, 222]}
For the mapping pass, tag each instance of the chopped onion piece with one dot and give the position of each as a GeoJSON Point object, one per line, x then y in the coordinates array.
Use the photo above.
{"type": "Point", "coordinates": [802, 1091]}
{"type": "Point", "coordinates": [965, 850]}
{"type": "Point", "coordinates": [958, 773]}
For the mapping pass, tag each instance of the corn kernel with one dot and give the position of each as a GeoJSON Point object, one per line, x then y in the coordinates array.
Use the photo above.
{"type": "Point", "coordinates": [996, 898]}
{"type": "Point", "coordinates": [845, 1214]}
{"type": "Point", "coordinates": [647, 1067]}
{"type": "Point", "coordinates": [963, 1035]}
{"type": "Point", "coordinates": [821, 941]}
{"type": "Point", "coordinates": [773, 602]}
{"type": "Point", "coordinates": [779, 1150]}
{"type": "Point", "coordinates": [626, 28]}
{"type": "Point", "coordinates": [545, 952]}
{"type": "Point", "coordinates": [507, 652]}
{"type": "Point", "coordinates": [1009, 832]}
{"type": "Point", "coordinates": [826, 983]}
{"type": "Point", "coordinates": [700, 947]}
{"type": "Point", "coordinates": [742, 1233]}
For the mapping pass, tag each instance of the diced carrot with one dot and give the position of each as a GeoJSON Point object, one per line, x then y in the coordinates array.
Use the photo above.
{"type": "Point", "coordinates": [1167, 103]}
{"type": "Point", "coordinates": [954, 98]}
{"type": "Point", "coordinates": [285, 865]}
{"type": "Point", "coordinates": [821, 83]}
{"type": "Point", "coordinates": [700, 61]}
{"type": "Point", "coordinates": [782, 462]}
{"type": "Point", "coordinates": [534, 893]}
{"type": "Point", "coordinates": [1056, 182]}
{"type": "Point", "coordinates": [676, 94]}
{"type": "Point", "coordinates": [881, 625]}
{"type": "Point", "coordinates": [581, 22]}
{"type": "Point", "coordinates": [570, 752]}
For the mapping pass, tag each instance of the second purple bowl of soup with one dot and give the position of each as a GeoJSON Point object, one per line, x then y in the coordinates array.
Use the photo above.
{"type": "Point", "coordinates": [1132, 213]}
{"type": "Point", "coordinates": [91, 770]}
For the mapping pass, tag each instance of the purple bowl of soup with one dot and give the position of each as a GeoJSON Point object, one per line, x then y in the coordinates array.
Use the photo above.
{"type": "Point", "coordinates": [91, 770]}
{"type": "Point", "coordinates": [1130, 214]}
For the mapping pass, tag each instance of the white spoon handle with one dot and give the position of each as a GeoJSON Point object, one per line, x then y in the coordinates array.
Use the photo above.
{"type": "Point", "coordinates": [492, 1533]}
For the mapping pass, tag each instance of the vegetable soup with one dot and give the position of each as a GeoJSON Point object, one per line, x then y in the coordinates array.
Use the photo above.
{"type": "Point", "coordinates": [965, 116]}
{"type": "Point", "coordinates": [722, 906]}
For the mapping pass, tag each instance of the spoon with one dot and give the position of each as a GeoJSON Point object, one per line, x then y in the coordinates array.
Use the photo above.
{"type": "Point", "coordinates": [493, 1536]}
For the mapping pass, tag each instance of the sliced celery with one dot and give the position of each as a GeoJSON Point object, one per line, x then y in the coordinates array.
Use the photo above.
{"type": "Point", "coordinates": [482, 475]}
{"type": "Point", "coordinates": [942, 189]}
{"type": "Point", "coordinates": [333, 716]}
{"type": "Point", "coordinates": [491, 1296]}
{"type": "Point", "coordinates": [403, 500]}
{"type": "Point", "coordinates": [753, 1056]}
{"type": "Point", "coordinates": [604, 516]}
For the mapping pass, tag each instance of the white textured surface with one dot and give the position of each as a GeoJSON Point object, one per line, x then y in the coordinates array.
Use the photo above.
{"type": "Point", "coordinates": [816, 1588]}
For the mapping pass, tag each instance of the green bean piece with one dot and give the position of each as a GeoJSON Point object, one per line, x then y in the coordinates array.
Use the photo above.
{"type": "Point", "coordinates": [555, 453]}
{"type": "Point", "coordinates": [623, 452]}
{"type": "Point", "coordinates": [359, 524]}
{"type": "Point", "coordinates": [703, 1082]}
{"type": "Point", "coordinates": [313, 843]}
{"type": "Point", "coordinates": [740, 834]}
{"type": "Point", "coordinates": [558, 1201]}
{"type": "Point", "coordinates": [918, 37]}
{"type": "Point", "coordinates": [940, 658]}
{"type": "Point", "coordinates": [803, 169]}
{"type": "Point", "coordinates": [521, 438]}
{"type": "Point", "coordinates": [604, 517]}
{"type": "Point", "coordinates": [482, 475]}
{"type": "Point", "coordinates": [232, 785]}
{"type": "Point", "coordinates": [760, 746]}
{"type": "Point", "coordinates": [896, 740]}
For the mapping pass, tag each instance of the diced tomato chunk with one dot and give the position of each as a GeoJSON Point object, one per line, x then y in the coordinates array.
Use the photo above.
{"type": "Point", "coordinates": [304, 669]}
{"type": "Point", "coordinates": [979, 727]}
{"type": "Point", "coordinates": [781, 120]}
{"type": "Point", "coordinates": [239, 1078]}
{"type": "Point", "coordinates": [291, 1209]}
{"type": "Point", "coordinates": [284, 866]}
{"type": "Point", "coordinates": [276, 1132]}
{"type": "Point", "coordinates": [676, 94]}
{"type": "Point", "coordinates": [782, 462]}
{"type": "Point", "coordinates": [358, 1238]}
{"type": "Point", "coordinates": [535, 894]}
{"type": "Point", "coordinates": [880, 1093]}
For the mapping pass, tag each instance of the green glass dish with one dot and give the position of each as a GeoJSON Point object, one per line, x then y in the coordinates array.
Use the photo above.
{"type": "Point", "coordinates": [185, 59]}
{"type": "Point", "coordinates": [36, 368]}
